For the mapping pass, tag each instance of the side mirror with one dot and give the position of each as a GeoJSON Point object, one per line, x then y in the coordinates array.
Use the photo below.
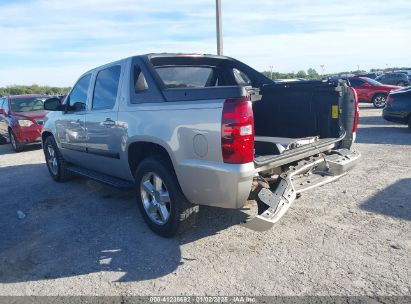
{"type": "Point", "coordinates": [53, 104]}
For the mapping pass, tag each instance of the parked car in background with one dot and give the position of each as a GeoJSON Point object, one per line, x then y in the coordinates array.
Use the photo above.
{"type": "Point", "coordinates": [408, 72]}
{"type": "Point", "coordinates": [398, 107]}
{"type": "Point", "coordinates": [370, 90]}
{"type": "Point", "coordinates": [21, 119]}
{"type": "Point", "coordinates": [371, 75]}
{"type": "Point", "coordinates": [399, 79]}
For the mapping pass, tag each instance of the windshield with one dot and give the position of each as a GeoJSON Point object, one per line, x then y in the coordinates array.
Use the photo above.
{"type": "Point", "coordinates": [27, 104]}
{"type": "Point", "coordinates": [372, 81]}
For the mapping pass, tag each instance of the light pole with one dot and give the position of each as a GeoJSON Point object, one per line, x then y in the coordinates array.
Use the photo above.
{"type": "Point", "coordinates": [219, 27]}
{"type": "Point", "coordinates": [271, 72]}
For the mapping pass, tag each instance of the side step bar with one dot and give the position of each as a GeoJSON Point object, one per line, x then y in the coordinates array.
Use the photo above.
{"type": "Point", "coordinates": [307, 174]}
{"type": "Point", "coordinates": [102, 178]}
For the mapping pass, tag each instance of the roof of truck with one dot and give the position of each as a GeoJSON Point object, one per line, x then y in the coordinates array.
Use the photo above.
{"type": "Point", "coordinates": [151, 56]}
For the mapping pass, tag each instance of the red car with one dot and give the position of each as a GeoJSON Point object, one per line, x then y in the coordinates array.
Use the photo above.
{"type": "Point", "coordinates": [21, 119]}
{"type": "Point", "coordinates": [370, 90]}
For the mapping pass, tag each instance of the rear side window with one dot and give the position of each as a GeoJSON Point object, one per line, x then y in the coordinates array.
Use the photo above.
{"type": "Point", "coordinates": [356, 82]}
{"type": "Point", "coordinates": [186, 76]}
{"type": "Point", "coordinates": [106, 88]}
{"type": "Point", "coordinates": [140, 82]}
{"type": "Point", "coordinates": [78, 96]}
{"type": "Point", "coordinates": [241, 78]}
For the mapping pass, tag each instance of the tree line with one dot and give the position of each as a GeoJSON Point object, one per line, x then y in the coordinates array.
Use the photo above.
{"type": "Point", "coordinates": [309, 74]}
{"type": "Point", "coordinates": [33, 89]}
{"type": "Point", "coordinates": [313, 74]}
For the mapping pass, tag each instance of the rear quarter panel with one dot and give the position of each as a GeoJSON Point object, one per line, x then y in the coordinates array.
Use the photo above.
{"type": "Point", "coordinates": [191, 134]}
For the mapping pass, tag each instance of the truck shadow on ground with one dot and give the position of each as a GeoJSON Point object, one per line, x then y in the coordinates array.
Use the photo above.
{"type": "Point", "coordinates": [394, 201]}
{"type": "Point", "coordinates": [82, 227]}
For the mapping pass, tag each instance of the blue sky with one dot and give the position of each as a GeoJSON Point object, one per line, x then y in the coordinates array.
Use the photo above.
{"type": "Point", "coordinates": [53, 42]}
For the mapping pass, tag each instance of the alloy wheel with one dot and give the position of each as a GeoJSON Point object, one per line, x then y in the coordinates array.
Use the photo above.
{"type": "Point", "coordinates": [52, 159]}
{"type": "Point", "coordinates": [380, 101]}
{"type": "Point", "coordinates": [155, 198]}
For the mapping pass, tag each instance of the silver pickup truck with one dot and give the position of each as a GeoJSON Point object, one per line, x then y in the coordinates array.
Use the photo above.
{"type": "Point", "coordinates": [185, 130]}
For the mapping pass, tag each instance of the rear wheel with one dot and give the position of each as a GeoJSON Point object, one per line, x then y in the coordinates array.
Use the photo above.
{"type": "Point", "coordinates": [160, 199]}
{"type": "Point", "coordinates": [17, 147]}
{"type": "Point", "coordinates": [56, 164]}
{"type": "Point", "coordinates": [379, 100]}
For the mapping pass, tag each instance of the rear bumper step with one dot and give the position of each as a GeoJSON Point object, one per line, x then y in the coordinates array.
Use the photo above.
{"type": "Point", "coordinates": [309, 173]}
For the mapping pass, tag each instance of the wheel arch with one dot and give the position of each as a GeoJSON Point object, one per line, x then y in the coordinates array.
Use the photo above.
{"type": "Point", "coordinates": [139, 150]}
{"type": "Point", "coordinates": [44, 135]}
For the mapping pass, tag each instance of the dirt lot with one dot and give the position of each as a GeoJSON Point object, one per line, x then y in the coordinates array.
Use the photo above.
{"type": "Point", "coordinates": [352, 237]}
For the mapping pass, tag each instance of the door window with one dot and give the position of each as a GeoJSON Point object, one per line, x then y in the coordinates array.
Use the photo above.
{"type": "Point", "coordinates": [77, 99]}
{"type": "Point", "coordinates": [6, 105]}
{"type": "Point", "coordinates": [106, 88]}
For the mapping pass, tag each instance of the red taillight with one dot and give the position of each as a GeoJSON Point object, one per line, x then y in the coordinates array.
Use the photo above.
{"type": "Point", "coordinates": [357, 111]}
{"type": "Point", "coordinates": [237, 131]}
{"type": "Point", "coordinates": [390, 100]}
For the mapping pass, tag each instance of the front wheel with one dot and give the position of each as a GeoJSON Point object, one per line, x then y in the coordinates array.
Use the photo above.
{"type": "Point", "coordinates": [56, 164]}
{"type": "Point", "coordinates": [3, 140]}
{"type": "Point", "coordinates": [16, 145]}
{"type": "Point", "coordinates": [160, 200]}
{"type": "Point", "coordinates": [379, 101]}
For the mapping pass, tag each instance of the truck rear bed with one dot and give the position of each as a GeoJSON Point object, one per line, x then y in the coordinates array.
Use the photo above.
{"type": "Point", "coordinates": [299, 119]}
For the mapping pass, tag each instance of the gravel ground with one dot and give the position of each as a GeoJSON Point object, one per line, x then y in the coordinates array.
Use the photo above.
{"type": "Point", "coordinates": [351, 237]}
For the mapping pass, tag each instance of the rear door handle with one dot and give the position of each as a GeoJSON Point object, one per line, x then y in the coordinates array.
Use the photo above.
{"type": "Point", "coordinates": [109, 123]}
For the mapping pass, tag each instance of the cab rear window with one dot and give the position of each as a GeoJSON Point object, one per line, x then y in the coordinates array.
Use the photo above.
{"type": "Point", "coordinates": [186, 76]}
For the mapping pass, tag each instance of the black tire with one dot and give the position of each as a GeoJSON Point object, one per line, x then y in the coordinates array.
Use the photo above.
{"type": "Point", "coordinates": [181, 213]}
{"type": "Point", "coordinates": [60, 173]}
{"type": "Point", "coordinates": [2, 140]}
{"type": "Point", "coordinates": [15, 144]}
{"type": "Point", "coordinates": [379, 100]}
